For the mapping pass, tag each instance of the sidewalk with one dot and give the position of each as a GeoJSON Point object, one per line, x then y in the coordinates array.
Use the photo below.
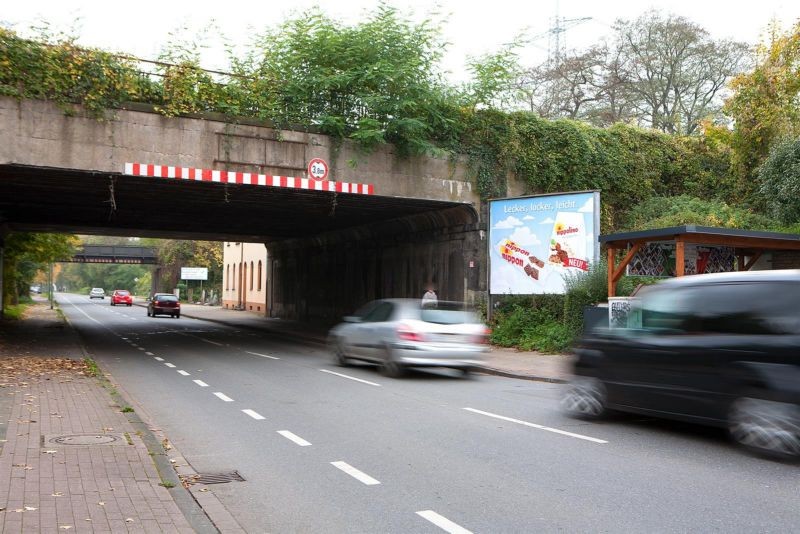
{"type": "Point", "coordinates": [500, 361]}
{"type": "Point", "coordinates": [71, 460]}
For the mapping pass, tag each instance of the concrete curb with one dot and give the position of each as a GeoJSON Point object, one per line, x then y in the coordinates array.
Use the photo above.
{"type": "Point", "coordinates": [520, 376]}
{"type": "Point", "coordinates": [322, 343]}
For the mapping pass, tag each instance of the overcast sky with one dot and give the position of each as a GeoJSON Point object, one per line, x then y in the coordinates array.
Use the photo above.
{"type": "Point", "coordinates": [472, 27]}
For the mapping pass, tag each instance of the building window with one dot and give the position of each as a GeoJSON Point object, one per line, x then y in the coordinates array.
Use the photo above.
{"type": "Point", "coordinates": [251, 276]}
{"type": "Point", "coordinates": [228, 278]}
{"type": "Point", "coordinates": [259, 275]}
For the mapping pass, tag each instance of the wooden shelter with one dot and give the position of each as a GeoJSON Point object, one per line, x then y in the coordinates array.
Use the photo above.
{"type": "Point", "coordinates": [749, 246]}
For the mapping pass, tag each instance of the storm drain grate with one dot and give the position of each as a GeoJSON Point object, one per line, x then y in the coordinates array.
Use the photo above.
{"type": "Point", "coordinates": [217, 478]}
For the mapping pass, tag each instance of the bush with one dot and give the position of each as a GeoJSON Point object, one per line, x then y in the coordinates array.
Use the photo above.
{"type": "Point", "coordinates": [549, 336]}
{"type": "Point", "coordinates": [779, 177]}
{"type": "Point", "coordinates": [584, 289]}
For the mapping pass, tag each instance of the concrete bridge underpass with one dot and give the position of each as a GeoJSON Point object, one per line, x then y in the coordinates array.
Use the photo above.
{"type": "Point", "coordinates": [328, 252]}
{"type": "Point", "coordinates": [380, 226]}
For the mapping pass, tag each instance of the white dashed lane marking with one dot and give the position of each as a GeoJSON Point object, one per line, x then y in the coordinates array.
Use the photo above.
{"type": "Point", "coordinates": [149, 353]}
{"type": "Point", "coordinates": [540, 427]}
{"type": "Point", "coordinates": [209, 341]}
{"type": "Point", "coordinates": [223, 396]}
{"type": "Point", "coordinates": [294, 437]}
{"type": "Point", "coordinates": [263, 355]}
{"type": "Point", "coordinates": [255, 415]}
{"type": "Point", "coordinates": [350, 377]}
{"type": "Point", "coordinates": [141, 348]}
{"type": "Point", "coordinates": [170, 365]}
{"type": "Point", "coordinates": [200, 383]}
{"type": "Point", "coordinates": [182, 372]}
{"type": "Point", "coordinates": [442, 522]}
{"type": "Point", "coordinates": [158, 359]}
{"type": "Point", "coordinates": [355, 473]}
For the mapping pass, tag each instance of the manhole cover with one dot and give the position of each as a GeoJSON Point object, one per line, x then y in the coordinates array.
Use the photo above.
{"type": "Point", "coordinates": [84, 439]}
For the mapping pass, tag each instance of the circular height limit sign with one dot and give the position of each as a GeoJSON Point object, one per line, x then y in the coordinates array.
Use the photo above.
{"type": "Point", "coordinates": [318, 169]}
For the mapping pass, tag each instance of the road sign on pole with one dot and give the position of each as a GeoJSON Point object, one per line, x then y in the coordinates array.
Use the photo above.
{"type": "Point", "coordinates": [318, 169]}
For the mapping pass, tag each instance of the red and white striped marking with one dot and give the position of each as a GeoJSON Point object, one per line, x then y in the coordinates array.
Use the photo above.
{"type": "Point", "coordinates": [246, 178]}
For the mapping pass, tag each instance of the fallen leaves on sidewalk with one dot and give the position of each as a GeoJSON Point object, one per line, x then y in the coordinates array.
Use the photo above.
{"type": "Point", "coordinates": [20, 371]}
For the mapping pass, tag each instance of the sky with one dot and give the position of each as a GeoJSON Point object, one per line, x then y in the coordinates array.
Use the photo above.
{"type": "Point", "coordinates": [471, 28]}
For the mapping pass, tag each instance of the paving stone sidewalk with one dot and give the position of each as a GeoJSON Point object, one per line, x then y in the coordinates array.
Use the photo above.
{"type": "Point", "coordinates": [70, 461]}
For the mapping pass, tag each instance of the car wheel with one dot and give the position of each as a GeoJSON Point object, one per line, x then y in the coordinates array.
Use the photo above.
{"type": "Point", "coordinates": [177, 315]}
{"type": "Point", "coordinates": [129, 305]}
{"type": "Point", "coordinates": [112, 302]}
{"type": "Point", "coordinates": [766, 427]}
{"type": "Point", "coordinates": [339, 355]}
{"type": "Point", "coordinates": [390, 367]}
{"type": "Point", "coordinates": [585, 398]}
{"type": "Point", "coordinates": [466, 372]}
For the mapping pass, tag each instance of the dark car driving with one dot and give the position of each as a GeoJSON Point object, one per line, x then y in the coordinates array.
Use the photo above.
{"type": "Point", "coordinates": [164, 304]}
{"type": "Point", "coordinates": [719, 349]}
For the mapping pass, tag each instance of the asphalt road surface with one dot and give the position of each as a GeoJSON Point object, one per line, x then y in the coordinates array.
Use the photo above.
{"type": "Point", "coordinates": [331, 449]}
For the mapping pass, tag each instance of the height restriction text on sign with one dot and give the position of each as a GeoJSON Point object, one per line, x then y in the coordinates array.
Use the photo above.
{"type": "Point", "coordinates": [318, 169]}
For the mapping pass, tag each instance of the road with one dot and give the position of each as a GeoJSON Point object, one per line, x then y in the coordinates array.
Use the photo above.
{"type": "Point", "coordinates": [331, 449]}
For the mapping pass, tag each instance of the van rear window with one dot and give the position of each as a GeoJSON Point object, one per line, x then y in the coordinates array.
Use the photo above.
{"type": "Point", "coordinates": [167, 298]}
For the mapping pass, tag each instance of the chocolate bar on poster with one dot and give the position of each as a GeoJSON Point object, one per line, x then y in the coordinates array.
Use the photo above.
{"type": "Point", "coordinates": [536, 261]}
{"type": "Point", "coordinates": [532, 272]}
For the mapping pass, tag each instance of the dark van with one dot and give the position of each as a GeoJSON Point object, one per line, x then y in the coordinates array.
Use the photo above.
{"type": "Point", "coordinates": [719, 349]}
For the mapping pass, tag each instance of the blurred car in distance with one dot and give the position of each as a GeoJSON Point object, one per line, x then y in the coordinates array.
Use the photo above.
{"type": "Point", "coordinates": [121, 296]}
{"type": "Point", "coordinates": [718, 349]}
{"type": "Point", "coordinates": [36, 289]}
{"type": "Point", "coordinates": [401, 333]}
{"type": "Point", "coordinates": [97, 293]}
{"type": "Point", "coordinates": [164, 304]}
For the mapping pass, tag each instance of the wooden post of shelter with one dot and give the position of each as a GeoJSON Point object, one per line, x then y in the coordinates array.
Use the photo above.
{"type": "Point", "coordinates": [680, 256]}
{"type": "Point", "coordinates": [615, 271]}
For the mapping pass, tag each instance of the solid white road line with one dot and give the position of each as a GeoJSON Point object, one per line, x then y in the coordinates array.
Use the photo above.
{"type": "Point", "coordinates": [442, 522]}
{"type": "Point", "coordinates": [170, 365]}
{"type": "Point", "coordinates": [149, 353]}
{"type": "Point", "coordinates": [350, 377]}
{"type": "Point", "coordinates": [255, 415]}
{"type": "Point", "coordinates": [294, 437]}
{"type": "Point", "coordinates": [200, 383]}
{"type": "Point", "coordinates": [157, 358]}
{"type": "Point", "coordinates": [263, 355]}
{"type": "Point", "coordinates": [182, 372]}
{"type": "Point", "coordinates": [83, 312]}
{"type": "Point", "coordinates": [540, 427]}
{"type": "Point", "coordinates": [209, 341]}
{"type": "Point", "coordinates": [355, 473]}
{"type": "Point", "coordinates": [223, 396]}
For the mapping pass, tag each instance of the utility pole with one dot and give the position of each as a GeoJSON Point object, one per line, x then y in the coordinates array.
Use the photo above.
{"type": "Point", "coordinates": [558, 45]}
{"type": "Point", "coordinates": [50, 283]}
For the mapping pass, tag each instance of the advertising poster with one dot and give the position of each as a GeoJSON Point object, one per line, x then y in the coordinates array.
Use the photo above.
{"type": "Point", "coordinates": [535, 240]}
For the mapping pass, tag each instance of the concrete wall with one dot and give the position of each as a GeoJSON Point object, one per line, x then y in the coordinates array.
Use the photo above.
{"type": "Point", "coordinates": [39, 133]}
{"type": "Point", "coordinates": [320, 282]}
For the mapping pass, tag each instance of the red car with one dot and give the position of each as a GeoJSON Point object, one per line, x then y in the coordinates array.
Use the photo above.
{"type": "Point", "coordinates": [121, 296]}
{"type": "Point", "coordinates": [164, 304]}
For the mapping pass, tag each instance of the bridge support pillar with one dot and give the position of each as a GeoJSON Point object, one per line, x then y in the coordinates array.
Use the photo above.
{"type": "Point", "coordinates": [155, 278]}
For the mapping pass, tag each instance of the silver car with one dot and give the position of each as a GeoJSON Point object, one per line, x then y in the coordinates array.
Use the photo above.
{"type": "Point", "coordinates": [97, 293]}
{"type": "Point", "coordinates": [401, 333]}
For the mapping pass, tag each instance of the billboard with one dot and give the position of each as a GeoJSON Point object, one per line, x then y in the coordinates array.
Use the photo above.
{"type": "Point", "coordinates": [194, 273]}
{"type": "Point", "coordinates": [534, 241]}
